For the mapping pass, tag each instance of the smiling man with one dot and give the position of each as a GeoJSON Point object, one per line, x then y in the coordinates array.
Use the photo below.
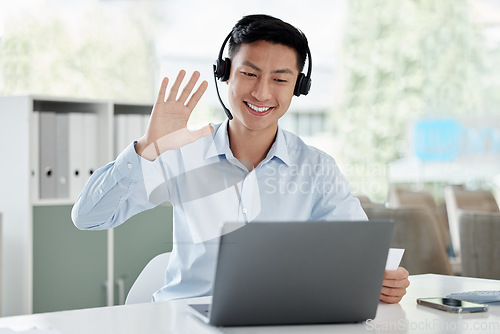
{"type": "Point", "coordinates": [261, 86]}
{"type": "Point", "coordinates": [246, 169]}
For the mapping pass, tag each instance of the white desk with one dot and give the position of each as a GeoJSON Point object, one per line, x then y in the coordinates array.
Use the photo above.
{"type": "Point", "coordinates": [174, 317]}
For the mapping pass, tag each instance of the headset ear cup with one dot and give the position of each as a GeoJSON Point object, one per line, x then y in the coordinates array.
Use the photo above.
{"type": "Point", "coordinates": [305, 86]}
{"type": "Point", "coordinates": [227, 70]}
{"type": "Point", "coordinates": [219, 68]}
{"type": "Point", "coordinates": [302, 85]}
{"type": "Point", "coordinates": [222, 69]}
{"type": "Point", "coordinates": [298, 84]}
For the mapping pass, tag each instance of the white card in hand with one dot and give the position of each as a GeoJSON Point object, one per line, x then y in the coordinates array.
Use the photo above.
{"type": "Point", "coordinates": [394, 258]}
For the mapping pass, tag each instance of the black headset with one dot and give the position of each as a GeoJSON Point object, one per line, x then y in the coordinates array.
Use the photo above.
{"type": "Point", "coordinates": [222, 69]}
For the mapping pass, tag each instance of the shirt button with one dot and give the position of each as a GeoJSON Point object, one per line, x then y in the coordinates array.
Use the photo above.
{"type": "Point", "coordinates": [100, 191]}
{"type": "Point", "coordinates": [244, 210]}
{"type": "Point", "coordinates": [129, 165]}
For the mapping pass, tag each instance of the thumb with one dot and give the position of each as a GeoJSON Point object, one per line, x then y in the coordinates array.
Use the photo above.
{"type": "Point", "coordinates": [200, 133]}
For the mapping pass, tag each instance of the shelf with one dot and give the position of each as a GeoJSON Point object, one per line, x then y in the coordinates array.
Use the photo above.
{"type": "Point", "coordinates": [93, 123]}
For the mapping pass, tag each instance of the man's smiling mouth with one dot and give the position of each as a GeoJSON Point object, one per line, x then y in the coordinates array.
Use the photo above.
{"type": "Point", "coordinates": [257, 109]}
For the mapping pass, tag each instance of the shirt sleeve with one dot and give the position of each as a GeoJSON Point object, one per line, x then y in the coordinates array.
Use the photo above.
{"type": "Point", "coordinates": [113, 194]}
{"type": "Point", "coordinates": [333, 197]}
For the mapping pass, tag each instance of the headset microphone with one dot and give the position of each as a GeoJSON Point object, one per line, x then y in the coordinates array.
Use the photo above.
{"type": "Point", "coordinates": [228, 113]}
{"type": "Point", "coordinates": [222, 70]}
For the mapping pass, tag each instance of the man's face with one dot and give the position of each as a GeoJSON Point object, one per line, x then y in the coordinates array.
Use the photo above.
{"type": "Point", "coordinates": [261, 85]}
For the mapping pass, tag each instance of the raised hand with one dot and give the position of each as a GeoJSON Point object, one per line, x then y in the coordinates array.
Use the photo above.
{"type": "Point", "coordinates": [167, 129]}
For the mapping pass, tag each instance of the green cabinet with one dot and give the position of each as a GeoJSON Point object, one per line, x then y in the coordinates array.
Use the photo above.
{"type": "Point", "coordinates": [70, 266]}
{"type": "Point", "coordinates": [137, 241]}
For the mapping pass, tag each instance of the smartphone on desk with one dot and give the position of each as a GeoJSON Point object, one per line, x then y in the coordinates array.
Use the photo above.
{"type": "Point", "coordinates": [452, 305]}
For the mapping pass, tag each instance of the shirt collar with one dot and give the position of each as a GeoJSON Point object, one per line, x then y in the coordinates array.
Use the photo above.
{"type": "Point", "coordinates": [279, 148]}
{"type": "Point", "coordinates": [220, 145]}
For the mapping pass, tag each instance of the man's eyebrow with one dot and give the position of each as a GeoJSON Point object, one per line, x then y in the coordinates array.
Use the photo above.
{"type": "Point", "coordinates": [255, 67]}
{"type": "Point", "coordinates": [284, 70]}
{"type": "Point", "coordinates": [252, 65]}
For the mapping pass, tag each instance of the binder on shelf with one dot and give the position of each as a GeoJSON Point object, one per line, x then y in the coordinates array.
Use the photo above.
{"type": "Point", "coordinates": [47, 154]}
{"type": "Point", "coordinates": [34, 155]}
{"type": "Point", "coordinates": [62, 155]}
{"type": "Point", "coordinates": [76, 151]}
{"type": "Point", "coordinates": [128, 128]}
{"type": "Point", "coordinates": [90, 145]}
{"type": "Point", "coordinates": [121, 130]}
{"type": "Point", "coordinates": [145, 122]}
{"type": "Point", "coordinates": [135, 128]}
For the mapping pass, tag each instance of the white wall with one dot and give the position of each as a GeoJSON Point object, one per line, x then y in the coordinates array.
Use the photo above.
{"type": "Point", "coordinates": [16, 270]}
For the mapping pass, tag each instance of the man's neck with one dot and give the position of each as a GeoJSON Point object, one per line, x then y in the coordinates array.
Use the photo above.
{"type": "Point", "coordinates": [250, 147]}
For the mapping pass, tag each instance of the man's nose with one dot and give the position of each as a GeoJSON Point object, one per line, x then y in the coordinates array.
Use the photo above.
{"type": "Point", "coordinates": [261, 91]}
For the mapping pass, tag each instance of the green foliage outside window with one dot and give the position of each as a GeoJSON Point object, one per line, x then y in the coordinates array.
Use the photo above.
{"type": "Point", "coordinates": [94, 53]}
{"type": "Point", "coordinates": [402, 60]}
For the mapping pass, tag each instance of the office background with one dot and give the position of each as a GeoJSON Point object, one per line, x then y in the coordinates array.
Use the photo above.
{"type": "Point", "coordinates": [403, 93]}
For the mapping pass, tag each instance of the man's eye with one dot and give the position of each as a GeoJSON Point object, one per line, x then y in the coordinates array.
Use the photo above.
{"type": "Point", "coordinates": [280, 80]}
{"type": "Point", "coordinates": [248, 74]}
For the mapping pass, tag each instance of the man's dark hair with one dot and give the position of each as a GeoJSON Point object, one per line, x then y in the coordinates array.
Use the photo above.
{"type": "Point", "coordinates": [261, 27]}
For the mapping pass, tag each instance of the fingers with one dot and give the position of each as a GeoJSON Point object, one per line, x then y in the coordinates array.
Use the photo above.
{"type": "Point", "coordinates": [391, 299]}
{"type": "Point", "coordinates": [195, 98]}
{"type": "Point", "coordinates": [396, 278]}
{"type": "Point", "coordinates": [390, 291]}
{"type": "Point", "coordinates": [204, 131]}
{"type": "Point", "coordinates": [163, 89]}
{"type": "Point", "coordinates": [399, 273]}
{"type": "Point", "coordinates": [172, 96]}
{"type": "Point", "coordinates": [189, 87]}
{"type": "Point", "coordinates": [392, 295]}
{"type": "Point", "coordinates": [394, 285]}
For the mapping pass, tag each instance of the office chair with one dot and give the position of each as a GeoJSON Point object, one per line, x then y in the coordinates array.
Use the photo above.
{"type": "Point", "coordinates": [401, 197]}
{"type": "Point", "coordinates": [150, 280]}
{"type": "Point", "coordinates": [366, 200]}
{"type": "Point", "coordinates": [416, 231]}
{"type": "Point", "coordinates": [479, 236]}
{"type": "Point", "coordinates": [459, 199]}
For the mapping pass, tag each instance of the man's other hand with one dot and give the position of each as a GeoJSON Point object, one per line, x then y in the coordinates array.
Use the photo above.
{"type": "Point", "coordinates": [394, 285]}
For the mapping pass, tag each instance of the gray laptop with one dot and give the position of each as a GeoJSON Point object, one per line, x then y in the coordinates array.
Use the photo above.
{"type": "Point", "coordinates": [298, 273]}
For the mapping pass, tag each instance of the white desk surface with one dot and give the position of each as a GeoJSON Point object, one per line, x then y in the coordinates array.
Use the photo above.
{"type": "Point", "coordinates": [174, 316]}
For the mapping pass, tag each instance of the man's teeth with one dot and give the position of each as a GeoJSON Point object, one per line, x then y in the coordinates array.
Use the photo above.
{"type": "Point", "coordinates": [257, 109]}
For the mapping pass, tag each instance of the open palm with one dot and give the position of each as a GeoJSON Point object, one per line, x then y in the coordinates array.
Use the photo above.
{"type": "Point", "coordinates": [167, 129]}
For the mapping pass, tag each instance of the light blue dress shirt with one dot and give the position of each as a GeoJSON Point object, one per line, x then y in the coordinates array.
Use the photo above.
{"type": "Point", "coordinates": [208, 186]}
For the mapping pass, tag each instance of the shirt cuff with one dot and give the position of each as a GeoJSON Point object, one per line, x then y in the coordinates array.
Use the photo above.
{"type": "Point", "coordinates": [128, 163]}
